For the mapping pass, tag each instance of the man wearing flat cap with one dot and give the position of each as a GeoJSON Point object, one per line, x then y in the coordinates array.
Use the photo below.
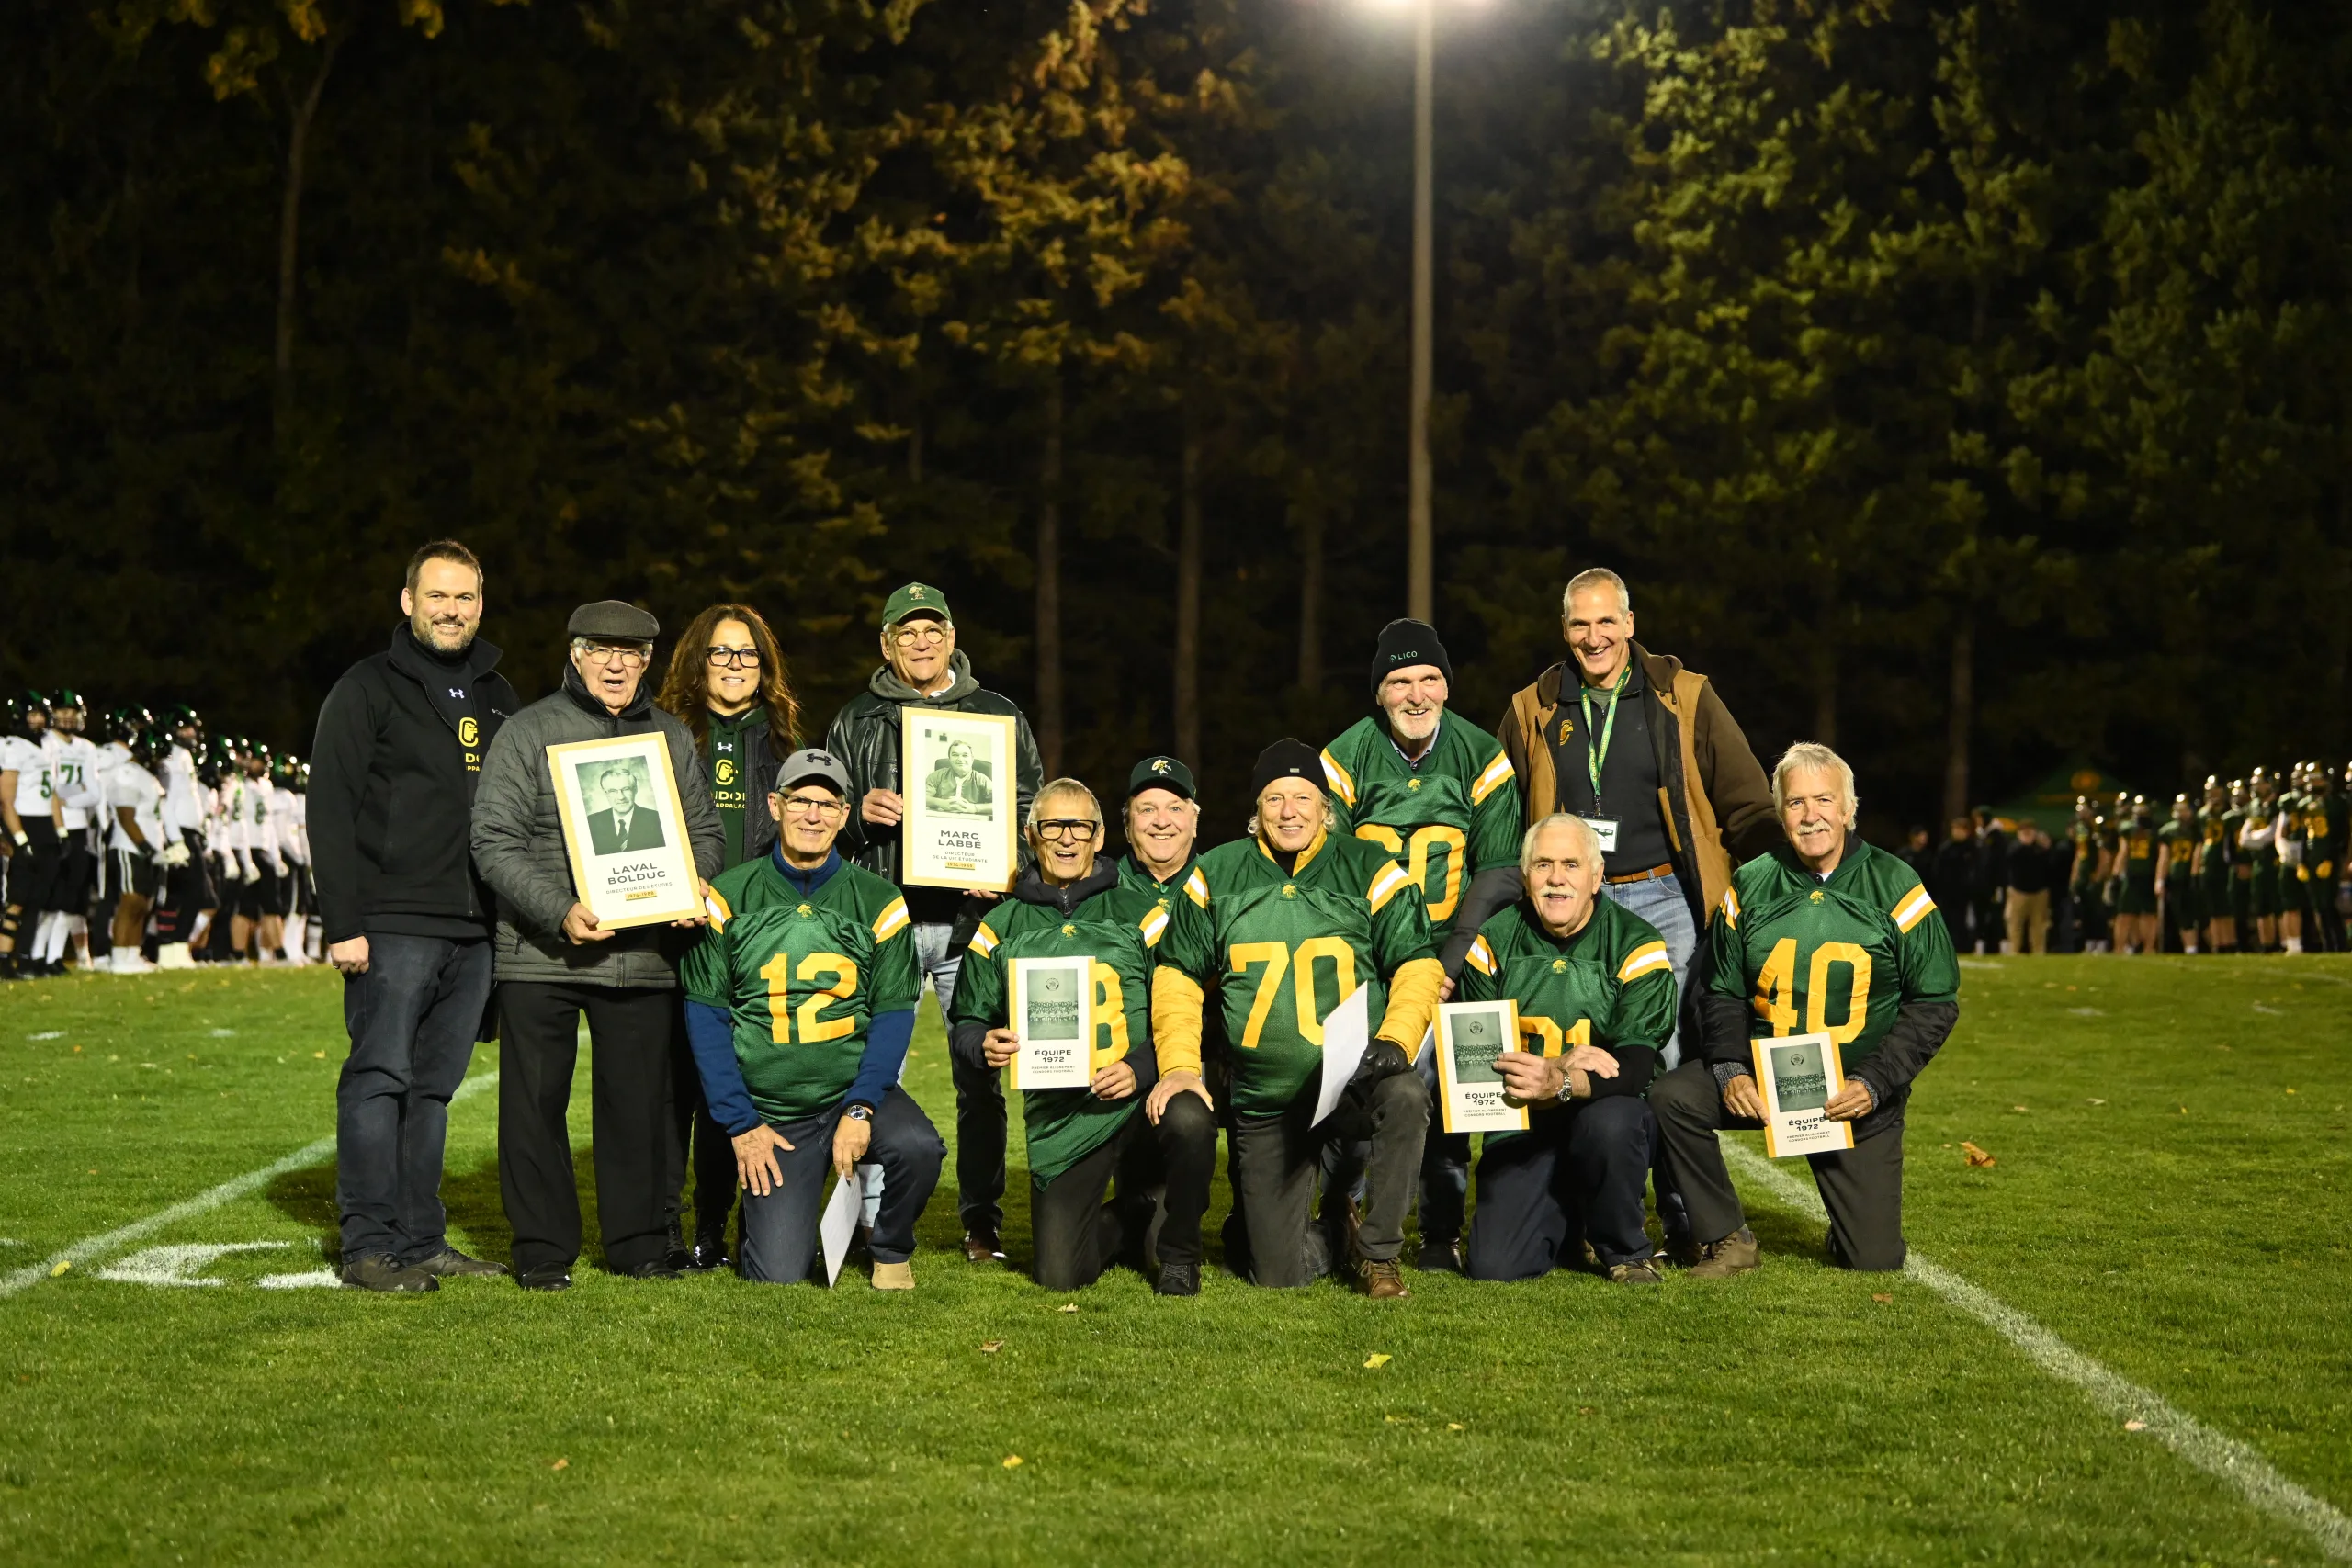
{"type": "Point", "coordinates": [922, 668]}
{"type": "Point", "coordinates": [1295, 917]}
{"type": "Point", "coordinates": [555, 962]}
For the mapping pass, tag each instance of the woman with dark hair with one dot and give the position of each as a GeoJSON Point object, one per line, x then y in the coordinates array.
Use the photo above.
{"type": "Point", "coordinates": [727, 680]}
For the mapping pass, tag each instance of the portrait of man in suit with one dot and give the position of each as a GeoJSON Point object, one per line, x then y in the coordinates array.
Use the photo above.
{"type": "Point", "coordinates": [955, 784]}
{"type": "Point", "coordinates": [623, 825]}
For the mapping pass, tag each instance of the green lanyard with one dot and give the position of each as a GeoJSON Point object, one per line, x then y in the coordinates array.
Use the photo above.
{"type": "Point", "coordinates": [1596, 746]}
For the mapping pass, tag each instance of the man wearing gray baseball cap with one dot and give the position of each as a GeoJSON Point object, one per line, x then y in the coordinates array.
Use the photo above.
{"type": "Point", "coordinates": [554, 963]}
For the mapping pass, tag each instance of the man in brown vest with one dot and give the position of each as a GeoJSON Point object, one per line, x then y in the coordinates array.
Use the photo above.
{"type": "Point", "coordinates": [1645, 751]}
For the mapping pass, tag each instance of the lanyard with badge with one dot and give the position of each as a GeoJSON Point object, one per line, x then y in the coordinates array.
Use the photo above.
{"type": "Point", "coordinates": [1596, 754]}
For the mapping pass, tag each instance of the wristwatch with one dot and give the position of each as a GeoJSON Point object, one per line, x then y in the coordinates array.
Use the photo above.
{"type": "Point", "coordinates": [860, 1111]}
{"type": "Point", "coordinates": [1567, 1085]}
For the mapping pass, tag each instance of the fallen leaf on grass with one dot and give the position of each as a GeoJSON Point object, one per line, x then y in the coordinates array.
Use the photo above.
{"type": "Point", "coordinates": [1377, 1359]}
{"type": "Point", "coordinates": [63, 1264]}
{"type": "Point", "coordinates": [2017, 1108]}
{"type": "Point", "coordinates": [561, 1464]}
{"type": "Point", "coordinates": [318, 1055]}
{"type": "Point", "coordinates": [1455, 1426]}
{"type": "Point", "coordinates": [2098, 1102]}
{"type": "Point", "coordinates": [990, 1347]}
{"type": "Point", "coordinates": [1881, 1298]}
{"type": "Point", "coordinates": [2135, 1426]}
{"type": "Point", "coordinates": [1012, 1461]}
{"type": "Point", "coordinates": [1977, 1158]}
{"type": "Point", "coordinates": [1399, 1420]}
{"type": "Point", "coordinates": [1070, 1306]}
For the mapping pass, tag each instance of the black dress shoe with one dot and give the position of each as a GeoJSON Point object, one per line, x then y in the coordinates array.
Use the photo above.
{"type": "Point", "coordinates": [982, 1246]}
{"type": "Point", "coordinates": [381, 1271]}
{"type": "Point", "coordinates": [546, 1277]}
{"type": "Point", "coordinates": [708, 1256]}
{"type": "Point", "coordinates": [449, 1263]}
{"type": "Point", "coordinates": [1178, 1280]}
{"type": "Point", "coordinates": [1439, 1256]}
{"type": "Point", "coordinates": [652, 1269]}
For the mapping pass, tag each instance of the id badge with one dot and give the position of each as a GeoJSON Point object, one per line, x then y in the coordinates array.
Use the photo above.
{"type": "Point", "coordinates": [1605, 829]}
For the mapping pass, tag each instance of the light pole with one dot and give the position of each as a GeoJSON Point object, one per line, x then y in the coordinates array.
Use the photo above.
{"type": "Point", "coordinates": [1420, 549]}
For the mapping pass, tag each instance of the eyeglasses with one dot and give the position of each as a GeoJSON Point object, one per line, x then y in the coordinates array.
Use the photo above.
{"type": "Point", "coordinates": [813, 806]}
{"type": "Point", "coordinates": [1068, 827]}
{"type": "Point", "coordinates": [910, 637]}
{"type": "Point", "coordinates": [629, 658]}
{"type": "Point", "coordinates": [734, 658]}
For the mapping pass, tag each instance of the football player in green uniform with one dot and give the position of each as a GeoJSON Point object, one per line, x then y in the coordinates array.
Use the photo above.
{"type": "Point", "coordinates": [2081, 882]}
{"type": "Point", "coordinates": [1827, 936]}
{"type": "Point", "coordinates": [1435, 791]}
{"type": "Point", "coordinates": [1069, 905]}
{"type": "Point", "coordinates": [2213, 867]}
{"type": "Point", "coordinates": [2176, 843]}
{"type": "Point", "coordinates": [1597, 999]}
{"type": "Point", "coordinates": [2233, 821]}
{"type": "Point", "coordinates": [1298, 916]}
{"type": "Point", "coordinates": [1162, 822]}
{"type": "Point", "coordinates": [2290, 837]}
{"type": "Point", "coordinates": [800, 1000]}
{"type": "Point", "coordinates": [2136, 926]}
{"type": "Point", "coordinates": [2257, 840]}
{"type": "Point", "coordinates": [2333, 823]}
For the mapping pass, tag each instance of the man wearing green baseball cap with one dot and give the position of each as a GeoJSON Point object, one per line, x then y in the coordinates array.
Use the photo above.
{"type": "Point", "coordinates": [922, 668]}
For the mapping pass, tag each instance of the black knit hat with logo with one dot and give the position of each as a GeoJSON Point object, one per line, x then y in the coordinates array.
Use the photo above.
{"type": "Point", "coordinates": [1403, 644]}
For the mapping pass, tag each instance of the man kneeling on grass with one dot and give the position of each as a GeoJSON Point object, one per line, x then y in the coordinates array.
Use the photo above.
{"type": "Point", "coordinates": [1073, 905]}
{"type": "Point", "coordinates": [1595, 989]}
{"type": "Point", "coordinates": [800, 999]}
{"type": "Point", "coordinates": [1824, 935]}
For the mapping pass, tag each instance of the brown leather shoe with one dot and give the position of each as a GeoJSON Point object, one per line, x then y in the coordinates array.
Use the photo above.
{"type": "Point", "coordinates": [982, 1246]}
{"type": "Point", "coordinates": [1381, 1279]}
{"type": "Point", "coordinates": [1642, 1273]}
{"type": "Point", "coordinates": [1736, 1253]}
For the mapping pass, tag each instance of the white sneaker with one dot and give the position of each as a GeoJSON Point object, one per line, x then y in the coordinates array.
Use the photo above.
{"type": "Point", "coordinates": [174, 955]}
{"type": "Point", "coordinates": [123, 961]}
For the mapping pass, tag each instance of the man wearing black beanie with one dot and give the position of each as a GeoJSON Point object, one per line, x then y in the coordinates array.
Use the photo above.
{"type": "Point", "coordinates": [1295, 917]}
{"type": "Point", "coordinates": [1437, 792]}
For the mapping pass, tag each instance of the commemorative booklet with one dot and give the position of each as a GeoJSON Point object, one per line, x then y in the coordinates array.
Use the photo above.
{"type": "Point", "coordinates": [1053, 1015]}
{"type": "Point", "coordinates": [1796, 1074]}
{"type": "Point", "coordinates": [1470, 1035]}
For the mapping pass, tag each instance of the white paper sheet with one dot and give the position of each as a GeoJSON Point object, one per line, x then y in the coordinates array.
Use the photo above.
{"type": "Point", "coordinates": [838, 1228]}
{"type": "Point", "coordinates": [1346, 1032]}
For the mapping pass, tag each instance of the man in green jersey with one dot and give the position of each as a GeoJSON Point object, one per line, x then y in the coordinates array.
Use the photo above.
{"type": "Point", "coordinates": [2136, 928]}
{"type": "Point", "coordinates": [2330, 824]}
{"type": "Point", "coordinates": [2213, 868]}
{"type": "Point", "coordinates": [1069, 905]}
{"type": "Point", "coordinates": [1435, 791]}
{"type": "Point", "coordinates": [2082, 883]}
{"type": "Point", "coordinates": [2290, 838]}
{"type": "Point", "coordinates": [800, 999]}
{"type": "Point", "coordinates": [2177, 874]}
{"type": "Point", "coordinates": [2258, 842]}
{"type": "Point", "coordinates": [1162, 822]}
{"type": "Point", "coordinates": [1297, 915]}
{"type": "Point", "coordinates": [1594, 987]}
{"type": "Point", "coordinates": [2233, 821]}
{"type": "Point", "coordinates": [1824, 935]}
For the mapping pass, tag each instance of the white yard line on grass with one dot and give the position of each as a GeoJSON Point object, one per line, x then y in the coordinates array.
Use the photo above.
{"type": "Point", "coordinates": [114, 1241]}
{"type": "Point", "coordinates": [2225, 1458]}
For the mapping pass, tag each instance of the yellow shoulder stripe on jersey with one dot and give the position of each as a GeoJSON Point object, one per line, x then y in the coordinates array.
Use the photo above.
{"type": "Point", "coordinates": [1731, 908]}
{"type": "Point", "coordinates": [1913, 908]}
{"type": "Point", "coordinates": [891, 921]}
{"type": "Point", "coordinates": [1481, 955]}
{"type": "Point", "coordinates": [1152, 925]}
{"type": "Point", "coordinates": [984, 940]}
{"type": "Point", "coordinates": [1497, 774]}
{"type": "Point", "coordinates": [1341, 785]}
{"type": "Point", "coordinates": [1387, 883]}
{"type": "Point", "coordinates": [1642, 960]}
{"type": "Point", "coordinates": [717, 907]}
{"type": "Point", "coordinates": [1196, 889]}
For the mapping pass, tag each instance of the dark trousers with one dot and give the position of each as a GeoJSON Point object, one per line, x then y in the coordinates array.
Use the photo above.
{"type": "Point", "coordinates": [780, 1236]}
{"type": "Point", "coordinates": [187, 891]}
{"type": "Point", "coordinates": [413, 1017]}
{"type": "Point", "coordinates": [1276, 1162]}
{"type": "Point", "coordinates": [631, 1033]}
{"type": "Point", "coordinates": [713, 1152]}
{"type": "Point", "coordinates": [32, 876]}
{"type": "Point", "coordinates": [1584, 1160]}
{"type": "Point", "coordinates": [1861, 1187]}
{"type": "Point", "coordinates": [1079, 1231]}
{"type": "Point", "coordinates": [980, 1145]}
{"type": "Point", "coordinates": [1185, 1142]}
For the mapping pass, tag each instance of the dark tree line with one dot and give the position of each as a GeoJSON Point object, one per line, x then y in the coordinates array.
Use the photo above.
{"type": "Point", "coordinates": [1965, 384]}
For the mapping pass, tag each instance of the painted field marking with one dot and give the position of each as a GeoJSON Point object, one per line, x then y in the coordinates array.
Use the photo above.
{"type": "Point", "coordinates": [229, 1192]}
{"type": "Point", "coordinates": [178, 1265]}
{"type": "Point", "coordinates": [2223, 1457]}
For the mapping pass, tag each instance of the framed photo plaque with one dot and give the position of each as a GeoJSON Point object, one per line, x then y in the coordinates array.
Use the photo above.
{"type": "Point", "coordinates": [625, 831]}
{"type": "Point", "coordinates": [955, 775]}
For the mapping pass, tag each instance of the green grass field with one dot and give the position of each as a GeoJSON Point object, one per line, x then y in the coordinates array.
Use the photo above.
{"type": "Point", "coordinates": [2170, 1198]}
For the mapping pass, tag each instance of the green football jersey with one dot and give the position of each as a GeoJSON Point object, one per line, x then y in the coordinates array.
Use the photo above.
{"type": "Point", "coordinates": [2181, 840]}
{"type": "Point", "coordinates": [2262, 814]}
{"type": "Point", "coordinates": [2212, 846]}
{"type": "Point", "coordinates": [2086, 838]}
{"type": "Point", "coordinates": [1835, 957]}
{"type": "Point", "coordinates": [1454, 814]}
{"type": "Point", "coordinates": [1117, 928]}
{"type": "Point", "coordinates": [801, 979]}
{"type": "Point", "coordinates": [1275, 952]}
{"type": "Point", "coordinates": [1610, 985]}
{"type": "Point", "coordinates": [2136, 850]}
{"type": "Point", "coordinates": [1133, 875]}
{"type": "Point", "coordinates": [2328, 824]}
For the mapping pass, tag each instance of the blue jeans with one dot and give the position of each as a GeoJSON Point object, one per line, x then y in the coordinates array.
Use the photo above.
{"type": "Point", "coordinates": [1660, 902]}
{"type": "Point", "coordinates": [780, 1239]}
{"type": "Point", "coordinates": [413, 1017]}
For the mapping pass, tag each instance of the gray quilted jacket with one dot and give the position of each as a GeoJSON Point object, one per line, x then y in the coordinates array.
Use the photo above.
{"type": "Point", "coordinates": [518, 842]}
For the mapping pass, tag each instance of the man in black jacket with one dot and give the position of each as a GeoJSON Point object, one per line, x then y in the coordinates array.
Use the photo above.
{"type": "Point", "coordinates": [921, 667]}
{"type": "Point", "coordinates": [405, 918]}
